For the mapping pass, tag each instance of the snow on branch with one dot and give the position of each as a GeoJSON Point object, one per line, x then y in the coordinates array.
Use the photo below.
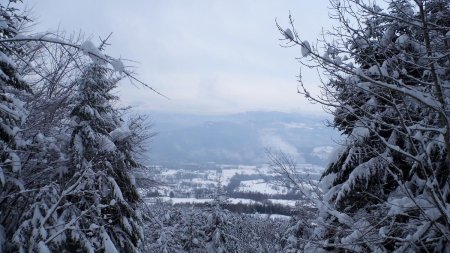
{"type": "Point", "coordinates": [88, 48]}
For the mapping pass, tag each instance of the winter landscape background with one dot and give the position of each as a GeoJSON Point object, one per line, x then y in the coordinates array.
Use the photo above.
{"type": "Point", "coordinates": [225, 126]}
{"type": "Point", "coordinates": [240, 139]}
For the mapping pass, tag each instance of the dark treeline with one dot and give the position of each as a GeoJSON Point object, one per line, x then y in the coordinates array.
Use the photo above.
{"type": "Point", "coordinates": [241, 208]}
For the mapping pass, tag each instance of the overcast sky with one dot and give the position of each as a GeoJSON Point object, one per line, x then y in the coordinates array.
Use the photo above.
{"type": "Point", "coordinates": [207, 56]}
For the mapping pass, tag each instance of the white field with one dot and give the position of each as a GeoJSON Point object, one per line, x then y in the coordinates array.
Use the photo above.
{"type": "Point", "coordinates": [261, 186]}
{"type": "Point", "coordinates": [271, 216]}
{"type": "Point", "coordinates": [284, 202]}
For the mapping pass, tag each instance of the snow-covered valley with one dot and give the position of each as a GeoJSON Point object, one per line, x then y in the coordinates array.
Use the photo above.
{"type": "Point", "coordinates": [257, 186]}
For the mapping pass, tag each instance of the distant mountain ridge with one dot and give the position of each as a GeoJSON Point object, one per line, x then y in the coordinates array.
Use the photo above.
{"type": "Point", "coordinates": [241, 138]}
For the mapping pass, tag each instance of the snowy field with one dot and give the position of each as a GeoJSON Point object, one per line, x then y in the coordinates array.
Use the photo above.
{"type": "Point", "coordinates": [198, 186]}
{"type": "Point", "coordinates": [261, 186]}
{"type": "Point", "coordinates": [271, 216]}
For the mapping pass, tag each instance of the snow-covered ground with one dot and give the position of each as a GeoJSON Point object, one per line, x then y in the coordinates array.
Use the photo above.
{"type": "Point", "coordinates": [261, 186]}
{"type": "Point", "coordinates": [271, 216]}
{"type": "Point", "coordinates": [187, 186]}
{"type": "Point", "coordinates": [169, 172]}
{"type": "Point", "coordinates": [284, 202]}
{"type": "Point", "coordinates": [227, 174]}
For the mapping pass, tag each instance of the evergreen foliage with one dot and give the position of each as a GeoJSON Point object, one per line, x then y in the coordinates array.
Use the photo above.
{"type": "Point", "coordinates": [65, 181]}
{"type": "Point", "coordinates": [387, 189]}
{"type": "Point", "coordinates": [12, 117]}
{"type": "Point", "coordinates": [190, 229]}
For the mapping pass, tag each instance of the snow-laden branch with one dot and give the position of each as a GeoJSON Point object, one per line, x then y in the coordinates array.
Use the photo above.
{"type": "Point", "coordinates": [87, 48]}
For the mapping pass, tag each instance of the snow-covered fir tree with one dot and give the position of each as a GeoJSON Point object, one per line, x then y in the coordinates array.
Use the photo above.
{"type": "Point", "coordinates": [186, 228]}
{"type": "Point", "coordinates": [218, 238]}
{"type": "Point", "coordinates": [174, 229]}
{"type": "Point", "coordinates": [65, 172]}
{"type": "Point", "coordinates": [192, 232]}
{"type": "Point", "coordinates": [93, 205]}
{"type": "Point", "coordinates": [12, 117]}
{"type": "Point", "coordinates": [104, 198]}
{"type": "Point", "coordinates": [387, 189]}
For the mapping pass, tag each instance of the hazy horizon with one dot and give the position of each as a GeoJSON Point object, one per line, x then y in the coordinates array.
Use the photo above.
{"type": "Point", "coordinates": [208, 57]}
